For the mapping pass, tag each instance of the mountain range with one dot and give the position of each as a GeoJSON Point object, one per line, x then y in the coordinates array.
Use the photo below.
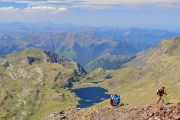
{"type": "Point", "coordinates": [138, 80]}
{"type": "Point", "coordinates": [83, 44]}
{"type": "Point", "coordinates": [35, 83]}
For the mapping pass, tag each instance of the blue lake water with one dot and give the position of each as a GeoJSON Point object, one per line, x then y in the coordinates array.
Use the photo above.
{"type": "Point", "coordinates": [90, 96]}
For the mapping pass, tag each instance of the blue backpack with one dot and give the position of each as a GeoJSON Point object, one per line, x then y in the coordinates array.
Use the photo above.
{"type": "Point", "coordinates": [117, 100]}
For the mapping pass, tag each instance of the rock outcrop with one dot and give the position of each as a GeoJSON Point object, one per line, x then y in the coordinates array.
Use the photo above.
{"type": "Point", "coordinates": [55, 58]}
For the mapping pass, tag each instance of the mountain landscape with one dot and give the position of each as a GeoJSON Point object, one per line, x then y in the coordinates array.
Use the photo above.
{"type": "Point", "coordinates": [89, 60]}
{"type": "Point", "coordinates": [136, 83]}
{"type": "Point", "coordinates": [83, 44]}
{"type": "Point", "coordinates": [36, 83]}
{"type": "Point", "coordinates": [148, 71]}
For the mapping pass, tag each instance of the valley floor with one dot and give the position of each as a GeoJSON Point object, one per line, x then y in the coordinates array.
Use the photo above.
{"type": "Point", "coordinates": [138, 112]}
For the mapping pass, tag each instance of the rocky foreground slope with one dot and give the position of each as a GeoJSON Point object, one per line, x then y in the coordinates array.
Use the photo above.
{"type": "Point", "coordinates": [148, 112]}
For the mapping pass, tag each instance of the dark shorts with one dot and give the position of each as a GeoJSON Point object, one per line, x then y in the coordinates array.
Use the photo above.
{"type": "Point", "coordinates": [115, 104]}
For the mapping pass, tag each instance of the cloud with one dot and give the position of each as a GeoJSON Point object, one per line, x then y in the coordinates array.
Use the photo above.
{"type": "Point", "coordinates": [31, 14]}
{"type": "Point", "coordinates": [108, 4]}
{"type": "Point", "coordinates": [52, 10]}
{"type": "Point", "coordinates": [96, 4]}
{"type": "Point", "coordinates": [62, 9]}
{"type": "Point", "coordinates": [130, 2]}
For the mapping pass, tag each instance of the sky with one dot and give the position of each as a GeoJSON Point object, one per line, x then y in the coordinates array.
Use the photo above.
{"type": "Point", "coordinates": [159, 14]}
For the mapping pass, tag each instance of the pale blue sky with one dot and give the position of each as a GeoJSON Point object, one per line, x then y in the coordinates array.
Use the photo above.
{"type": "Point", "coordinates": [160, 14]}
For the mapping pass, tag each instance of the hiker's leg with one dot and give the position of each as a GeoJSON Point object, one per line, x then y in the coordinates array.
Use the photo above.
{"type": "Point", "coordinates": [158, 100]}
{"type": "Point", "coordinates": [117, 104]}
{"type": "Point", "coordinates": [163, 100]}
{"type": "Point", "coordinates": [112, 104]}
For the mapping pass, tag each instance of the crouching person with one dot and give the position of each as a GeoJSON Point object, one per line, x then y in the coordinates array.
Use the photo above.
{"type": "Point", "coordinates": [115, 100]}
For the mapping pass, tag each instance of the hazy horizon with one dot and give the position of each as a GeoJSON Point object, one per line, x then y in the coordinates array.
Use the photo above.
{"type": "Point", "coordinates": [66, 25]}
{"type": "Point", "coordinates": [156, 14]}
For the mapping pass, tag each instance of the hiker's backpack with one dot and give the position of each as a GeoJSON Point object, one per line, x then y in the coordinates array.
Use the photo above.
{"type": "Point", "coordinates": [117, 100]}
{"type": "Point", "coordinates": [158, 91]}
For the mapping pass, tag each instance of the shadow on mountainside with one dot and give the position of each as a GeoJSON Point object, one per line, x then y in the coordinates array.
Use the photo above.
{"type": "Point", "coordinates": [90, 96]}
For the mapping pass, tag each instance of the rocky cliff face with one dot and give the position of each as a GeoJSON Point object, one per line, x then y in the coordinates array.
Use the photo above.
{"type": "Point", "coordinates": [54, 58]}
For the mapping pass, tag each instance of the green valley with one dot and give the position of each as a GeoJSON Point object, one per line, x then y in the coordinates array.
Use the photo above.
{"type": "Point", "coordinates": [36, 83]}
{"type": "Point", "coordinates": [138, 80]}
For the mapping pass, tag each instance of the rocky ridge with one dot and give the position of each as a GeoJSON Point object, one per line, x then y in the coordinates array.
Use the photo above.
{"type": "Point", "coordinates": [138, 112]}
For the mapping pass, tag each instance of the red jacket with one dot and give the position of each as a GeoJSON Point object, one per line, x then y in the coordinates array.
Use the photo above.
{"type": "Point", "coordinates": [111, 101]}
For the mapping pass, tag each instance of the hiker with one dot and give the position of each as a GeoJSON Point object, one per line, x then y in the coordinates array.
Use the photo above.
{"type": "Point", "coordinates": [111, 100]}
{"type": "Point", "coordinates": [161, 92]}
{"type": "Point", "coordinates": [115, 100]}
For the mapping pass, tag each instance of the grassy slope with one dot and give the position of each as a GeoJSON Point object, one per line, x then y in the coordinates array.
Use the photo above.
{"type": "Point", "coordinates": [108, 61]}
{"type": "Point", "coordinates": [139, 80]}
{"type": "Point", "coordinates": [48, 104]}
{"type": "Point", "coordinates": [27, 90]}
